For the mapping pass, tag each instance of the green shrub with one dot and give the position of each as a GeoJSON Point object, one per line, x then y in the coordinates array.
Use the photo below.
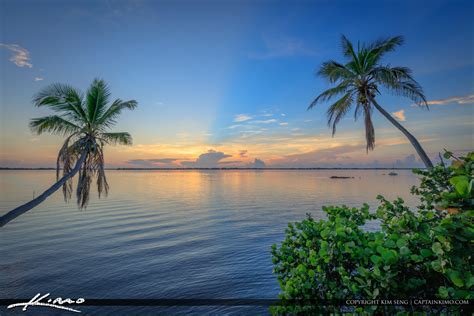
{"type": "Point", "coordinates": [427, 253]}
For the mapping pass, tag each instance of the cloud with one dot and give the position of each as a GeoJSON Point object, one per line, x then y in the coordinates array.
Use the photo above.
{"type": "Point", "coordinates": [211, 159]}
{"type": "Point", "coordinates": [283, 123]}
{"type": "Point", "coordinates": [283, 46]}
{"type": "Point", "coordinates": [410, 161]}
{"type": "Point", "coordinates": [242, 118]}
{"type": "Point", "coordinates": [153, 163]}
{"type": "Point", "coordinates": [20, 57]}
{"type": "Point", "coordinates": [266, 121]}
{"type": "Point", "coordinates": [243, 153]}
{"type": "Point", "coordinates": [400, 115]}
{"type": "Point", "coordinates": [39, 78]}
{"type": "Point", "coordinates": [258, 163]}
{"type": "Point", "coordinates": [467, 99]}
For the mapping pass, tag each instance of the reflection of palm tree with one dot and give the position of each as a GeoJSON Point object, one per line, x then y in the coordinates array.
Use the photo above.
{"type": "Point", "coordinates": [84, 120]}
{"type": "Point", "coordinates": [358, 82]}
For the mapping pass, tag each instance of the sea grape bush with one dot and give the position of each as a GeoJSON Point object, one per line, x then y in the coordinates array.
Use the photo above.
{"type": "Point", "coordinates": [447, 188]}
{"type": "Point", "coordinates": [424, 253]}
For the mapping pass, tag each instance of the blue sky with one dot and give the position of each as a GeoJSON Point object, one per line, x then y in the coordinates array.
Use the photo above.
{"type": "Point", "coordinates": [222, 83]}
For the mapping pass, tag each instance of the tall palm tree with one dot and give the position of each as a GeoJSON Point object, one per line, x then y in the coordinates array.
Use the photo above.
{"type": "Point", "coordinates": [358, 81]}
{"type": "Point", "coordinates": [84, 120]}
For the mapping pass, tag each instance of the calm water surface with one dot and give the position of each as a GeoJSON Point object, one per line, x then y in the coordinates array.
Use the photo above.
{"type": "Point", "coordinates": [169, 234]}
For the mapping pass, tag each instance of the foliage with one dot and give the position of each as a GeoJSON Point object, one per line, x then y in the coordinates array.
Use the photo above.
{"type": "Point", "coordinates": [424, 253]}
{"type": "Point", "coordinates": [447, 188]}
{"type": "Point", "coordinates": [84, 120]}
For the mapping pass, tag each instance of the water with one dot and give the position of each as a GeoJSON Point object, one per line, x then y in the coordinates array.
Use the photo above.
{"type": "Point", "coordinates": [169, 234]}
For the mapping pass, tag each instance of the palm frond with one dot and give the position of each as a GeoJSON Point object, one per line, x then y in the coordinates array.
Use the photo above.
{"type": "Point", "coordinates": [358, 110]}
{"type": "Point", "coordinates": [62, 98]}
{"type": "Point", "coordinates": [412, 90]}
{"type": "Point", "coordinates": [84, 181]}
{"type": "Point", "coordinates": [99, 167]}
{"type": "Point", "coordinates": [330, 93]}
{"type": "Point", "coordinates": [399, 81]}
{"type": "Point", "coordinates": [337, 111]}
{"type": "Point", "coordinates": [334, 71]}
{"type": "Point", "coordinates": [53, 124]}
{"type": "Point", "coordinates": [66, 158]}
{"type": "Point", "coordinates": [387, 75]}
{"type": "Point", "coordinates": [382, 46]}
{"type": "Point", "coordinates": [108, 118]}
{"type": "Point", "coordinates": [348, 48]}
{"type": "Point", "coordinates": [97, 97]}
{"type": "Point", "coordinates": [122, 138]}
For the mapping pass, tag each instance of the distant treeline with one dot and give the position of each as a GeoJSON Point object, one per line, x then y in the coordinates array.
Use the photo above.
{"type": "Point", "coordinates": [229, 168]}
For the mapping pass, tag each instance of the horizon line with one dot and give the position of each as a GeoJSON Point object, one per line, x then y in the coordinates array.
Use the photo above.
{"type": "Point", "coordinates": [232, 168]}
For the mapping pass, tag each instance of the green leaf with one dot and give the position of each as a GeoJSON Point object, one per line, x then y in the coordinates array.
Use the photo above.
{"type": "Point", "coordinates": [437, 248]}
{"type": "Point", "coordinates": [426, 252]}
{"type": "Point", "coordinates": [389, 257]}
{"type": "Point", "coordinates": [325, 233]}
{"type": "Point", "coordinates": [375, 293]}
{"type": "Point", "coordinates": [322, 252]}
{"type": "Point", "coordinates": [443, 292]}
{"type": "Point", "coordinates": [447, 154]}
{"type": "Point", "coordinates": [375, 259]}
{"type": "Point", "coordinates": [404, 251]}
{"type": "Point", "coordinates": [402, 243]}
{"type": "Point", "coordinates": [455, 277]}
{"type": "Point", "coordinates": [436, 265]}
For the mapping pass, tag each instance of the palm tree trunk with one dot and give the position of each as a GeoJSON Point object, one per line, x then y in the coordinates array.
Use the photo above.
{"type": "Point", "coordinates": [28, 206]}
{"type": "Point", "coordinates": [424, 157]}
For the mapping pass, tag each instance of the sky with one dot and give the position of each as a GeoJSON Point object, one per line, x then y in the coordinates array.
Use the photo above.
{"type": "Point", "coordinates": [228, 83]}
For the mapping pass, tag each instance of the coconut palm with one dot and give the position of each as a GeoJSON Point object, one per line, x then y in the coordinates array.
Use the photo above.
{"type": "Point", "coordinates": [84, 120]}
{"type": "Point", "coordinates": [358, 81]}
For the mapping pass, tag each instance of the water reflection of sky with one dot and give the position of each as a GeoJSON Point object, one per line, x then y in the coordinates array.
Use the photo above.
{"type": "Point", "coordinates": [169, 234]}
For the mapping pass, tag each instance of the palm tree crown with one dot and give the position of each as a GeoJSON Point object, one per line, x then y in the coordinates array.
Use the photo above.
{"type": "Point", "coordinates": [85, 121]}
{"type": "Point", "coordinates": [359, 79]}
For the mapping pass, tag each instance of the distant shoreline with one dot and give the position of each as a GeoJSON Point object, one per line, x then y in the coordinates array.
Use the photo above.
{"type": "Point", "coordinates": [164, 169]}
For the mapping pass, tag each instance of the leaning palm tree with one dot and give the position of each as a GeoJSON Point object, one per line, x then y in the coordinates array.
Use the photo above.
{"type": "Point", "coordinates": [84, 120]}
{"type": "Point", "coordinates": [358, 82]}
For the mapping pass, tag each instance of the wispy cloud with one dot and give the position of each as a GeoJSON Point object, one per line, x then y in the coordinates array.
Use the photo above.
{"type": "Point", "coordinates": [39, 78]}
{"type": "Point", "coordinates": [400, 115]}
{"type": "Point", "coordinates": [283, 123]}
{"type": "Point", "coordinates": [266, 121]}
{"type": "Point", "coordinates": [20, 56]}
{"type": "Point", "coordinates": [242, 118]}
{"type": "Point", "coordinates": [467, 99]}
{"type": "Point", "coordinates": [155, 163]}
{"type": "Point", "coordinates": [283, 46]}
